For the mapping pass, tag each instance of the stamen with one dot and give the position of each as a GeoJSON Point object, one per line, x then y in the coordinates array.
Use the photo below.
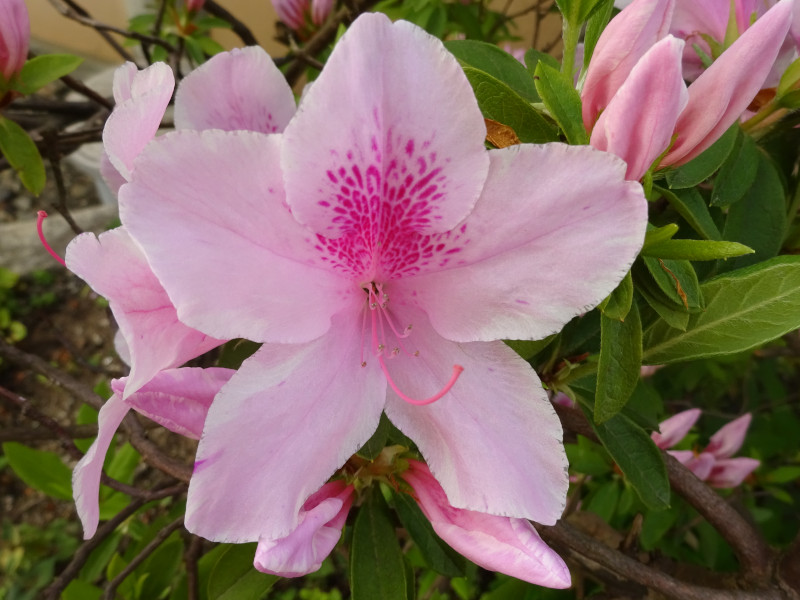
{"type": "Point", "coordinates": [457, 370]}
{"type": "Point", "coordinates": [42, 216]}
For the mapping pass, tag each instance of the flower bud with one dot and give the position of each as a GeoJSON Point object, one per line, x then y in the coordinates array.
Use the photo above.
{"type": "Point", "coordinates": [15, 32]}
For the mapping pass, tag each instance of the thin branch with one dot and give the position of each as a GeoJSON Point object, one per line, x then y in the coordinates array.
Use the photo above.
{"type": "Point", "coordinates": [159, 539]}
{"type": "Point", "coordinates": [84, 90]}
{"type": "Point", "coordinates": [26, 434]}
{"type": "Point", "coordinates": [191, 556]}
{"type": "Point", "coordinates": [239, 28]}
{"type": "Point", "coordinates": [75, 12]}
{"type": "Point", "coordinates": [51, 148]}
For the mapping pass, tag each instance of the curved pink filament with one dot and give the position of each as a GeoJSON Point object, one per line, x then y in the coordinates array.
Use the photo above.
{"type": "Point", "coordinates": [42, 215]}
{"type": "Point", "coordinates": [457, 370]}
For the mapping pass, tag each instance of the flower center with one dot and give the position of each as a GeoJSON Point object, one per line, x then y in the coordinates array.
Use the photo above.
{"type": "Point", "coordinates": [383, 325]}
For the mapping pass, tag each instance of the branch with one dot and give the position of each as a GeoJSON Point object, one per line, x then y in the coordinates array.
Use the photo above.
{"type": "Point", "coordinates": [237, 26]}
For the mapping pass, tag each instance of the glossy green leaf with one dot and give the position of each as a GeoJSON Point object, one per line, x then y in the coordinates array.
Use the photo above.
{"type": "Point", "coordinates": [41, 470]}
{"type": "Point", "coordinates": [618, 303]}
{"type": "Point", "coordinates": [235, 578]}
{"type": "Point", "coordinates": [738, 172]}
{"type": "Point", "coordinates": [496, 62]}
{"type": "Point", "coordinates": [696, 250]}
{"type": "Point", "coordinates": [533, 57]}
{"type": "Point", "coordinates": [41, 70]}
{"type": "Point", "coordinates": [437, 554]}
{"type": "Point", "coordinates": [656, 235]}
{"type": "Point", "coordinates": [595, 27]}
{"type": "Point", "coordinates": [619, 363]}
{"type": "Point", "coordinates": [690, 205]}
{"type": "Point", "coordinates": [677, 279]}
{"type": "Point", "coordinates": [376, 561]}
{"type": "Point", "coordinates": [563, 101]}
{"type": "Point", "coordinates": [758, 220]}
{"type": "Point", "coordinates": [704, 166]}
{"type": "Point", "coordinates": [577, 11]}
{"type": "Point", "coordinates": [22, 155]}
{"type": "Point", "coordinates": [502, 104]}
{"type": "Point", "coordinates": [744, 309]}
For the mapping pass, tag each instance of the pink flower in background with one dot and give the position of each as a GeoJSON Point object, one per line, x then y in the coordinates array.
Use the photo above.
{"type": "Point", "coordinates": [714, 463]}
{"type": "Point", "coordinates": [194, 5]}
{"type": "Point", "coordinates": [15, 32]}
{"type": "Point", "coordinates": [370, 214]}
{"type": "Point", "coordinates": [295, 13]}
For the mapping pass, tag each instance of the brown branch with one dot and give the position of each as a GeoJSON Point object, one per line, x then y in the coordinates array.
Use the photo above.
{"type": "Point", "coordinates": [25, 434]}
{"type": "Point", "coordinates": [591, 553]}
{"type": "Point", "coordinates": [85, 90]}
{"type": "Point", "coordinates": [190, 557]}
{"type": "Point", "coordinates": [51, 149]}
{"type": "Point", "coordinates": [239, 28]}
{"type": "Point", "coordinates": [111, 588]}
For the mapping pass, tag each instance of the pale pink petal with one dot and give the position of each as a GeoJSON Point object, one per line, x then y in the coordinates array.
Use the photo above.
{"type": "Point", "coordinates": [114, 266]}
{"type": "Point", "coordinates": [86, 475]}
{"type": "Point", "coordinates": [727, 441]}
{"type": "Point", "coordinates": [123, 82]}
{"type": "Point", "coordinates": [289, 418]}
{"type": "Point", "coordinates": [554, 232]}
{"type": "Point", "coordinates": [701, 465]}
{"type": "Point", "coordinates": [114, 180]}
{"type": "Point", "coordinates": [401, 147]}
{"type": "Point", "coordinates": [626, 39]}
{"type": "Point", "coordinates": [121, 348]}
{"type": "Point", "coordinates": [233, 260]}
{"type": "Point", "coordinates": [320, 9]}
{"type": "Point", "coordinates": [240, 89]}
{"type": "Point", "coordinates": [510, 546]}
{"type": "Point", "coordinates": [134, 122]}
{"type": "Point", "coordinates": [302, 551]}
{"type": "Point", "coordinates": [493, 441]}
{"type": "Point", "coordinates": [639, 122]}
{"type": "Point", "coordinates": [674, 429]}
{"type": "Point", "coordinates": [730, 472]}
{"type": "Point", "coordinates": [723, 92]}
{"type": "Point", "coordinates": [178, 399]}
{"type": "Point", "coordinates": [691, 20]}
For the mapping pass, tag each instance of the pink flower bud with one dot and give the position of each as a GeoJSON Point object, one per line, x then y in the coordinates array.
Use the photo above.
{"type": "Point", "coordinates": [15, 32]}
{"type": "Point", "coordinates": [194, 5]}
{"type": "Point", "coordinates": [302, 551]}
{"type": "Point", "coordinates": [727, 441]}
{"type": "Point", "coordinates": [507, 545]}
{"type": "Point", "coordinates": [674, 429]}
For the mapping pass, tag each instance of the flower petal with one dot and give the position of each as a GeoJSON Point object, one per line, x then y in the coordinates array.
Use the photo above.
{"type": "Point", "coordinates": [553, 234]}
{"type": "Point", "coordinates": [240, 89]}
{"type": "Point", "coordinates": [510, 546]}
{"type": "Point", "coordinates": [115, 268]}
{"type": "Point", "coordinates": [302, 551]}
{"type": "Point", "coordinates": [179, 399]}
{"type": "Point", "coordinates": [207, 208]}
{"type": "Point", "coordinates": [674, 429]}
{"type": "Point", "coordinates": [727, 441]}
{"type": "Point", "coordinates": [730, 472]}
{"type": "Point", "coordinates": [493, 441]}
{"type": "Point", "coordinates": [401, 144]}
{"type": "Point", "coordinates": [134, 122]}
{"type": "Point", "coordinates": [701, 465]}
{"type": "Point", "coordinates": [624, 41]}
{"type": "Point", "coordinates": [287, 420]}
{"type": "Point", "coordinates": [86, 475]}
{"type": "Point", "coordinates": [719, 96]}
{"type": "Point", "coordinates": [638, 124]}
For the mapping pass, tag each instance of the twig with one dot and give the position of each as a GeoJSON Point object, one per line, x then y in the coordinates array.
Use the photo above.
{"type": "Point", "coordinates": [51, 148]}
{"type": "Point", "coordinates": [191, 557]}
{"type": "Point", "coordinates": [83, 89]}
{"type": "Point", "coordinates": [25, 434]}
{"type": "Point", "coordinates": [239, 28]}
{"type": "Point", "coordinates": [159, 539]}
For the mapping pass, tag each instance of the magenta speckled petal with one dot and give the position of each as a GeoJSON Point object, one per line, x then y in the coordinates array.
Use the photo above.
{"type": "Point", "coordinates": [221, 239]}
{"type": "Point", "coordinates": [389, 133]}
{"type": "Point", "coordinates": [494, 440]}
{"type": "Point", "coordinates": [553, 234]}
{"type": "Point", "coordinates": [114, 266]}
{"type": "Point", "coordinates": [289, 418]}
{"type": "Point", "coordinates": [240, 89]}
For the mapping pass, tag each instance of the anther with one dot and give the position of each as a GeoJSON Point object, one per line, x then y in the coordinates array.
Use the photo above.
{"type": "Point", "coordinates": [42, 215]}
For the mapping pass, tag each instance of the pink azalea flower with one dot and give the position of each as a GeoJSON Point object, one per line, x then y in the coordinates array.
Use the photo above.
{"type": "Point", "coordinates": [295, 13]}
{"type": "Point", "coordinates": [15, 32]}
{"type": "Point", "coordinates": [713, 464]}
{"type": "Point", "coordinates": [379, 208]}
{"type": "Point", "coordinates": [178, 399]}
{"type": "Point", "coordinates": [508, 545]}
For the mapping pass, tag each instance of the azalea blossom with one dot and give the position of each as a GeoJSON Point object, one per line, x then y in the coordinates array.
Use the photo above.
{"type": "Point", "coordinates": [15, 32]}
{"type": "Point", "coordinates": [379, 253]}
{"type": "Point", "coordinates": [295, 13]}
{"type": "Point", "coordinates": [713, 464]}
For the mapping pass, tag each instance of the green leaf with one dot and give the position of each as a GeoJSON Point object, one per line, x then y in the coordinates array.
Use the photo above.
{"type": "Point", "coordinates": [758, 219]}
{"type": "Point", "coordinates": [563, 101]}
{"type": "Point", "coordinates": [123, 464]}
{"type": "Point", "coordinates": [377, 442]}
{"type": "Point", "coordinates": [789, 78]}
{"type": "Point", "coordinates": [619, 363]}
{"type": "Point", "coordinates": [376, 561]}
{"type": "Point", "coordinates": [160, 567]}
{"type": "Point", "coordinates": [677, 279]}
{"type": "Point", "coordinates": [690, 205]}
{"type": "Point", "coordinates": [502, 104]}
{"type": "Point", "coordinates": [744, 309]}
{"type": "Point", "coordinates": [41, 470]}
{"type": "Point", "coordinates": [527, 349]}
{"type": "Point", "coordinates": [533, 57]}
{"type": "Point", "coordinates": [664, 308]}
{"type": "Point", "coordinates": [496, 62]}
{"type": "Point", "coordinates": [702, 167]}
{"type": "Point", "coordinates": [603, 502]}
{"type": "Point", "coordinates": [577, 11]}
{"type": "Point", "coordinates": [22, 155]}
{"type": "Point", "coordinates": [656, 235]}
{"type": "Point", "coordinates": [438, 555]}
{"type": "Point", "coordinates": [738, 172]}
{"type": "Point", "coordinates": [637, 457]}
{"type": "Point", "coordinates": [618, 303]}
{"type": "Point", "coordinates": [696, 250]}
{"type": "Point", "coordinates": [594, 28]}
{"type": "Point", "coordinates": [588, 458]}
{"type": "Point", "coordinates": [80, 590]}
{"type": "Point", "coordinates": [234, 577]}
{"type": "Point", "coordinates": [41, 70]}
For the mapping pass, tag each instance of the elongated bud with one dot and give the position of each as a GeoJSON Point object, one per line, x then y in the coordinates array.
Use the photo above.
{"type": "Point", "coordinates": [15, 32]}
